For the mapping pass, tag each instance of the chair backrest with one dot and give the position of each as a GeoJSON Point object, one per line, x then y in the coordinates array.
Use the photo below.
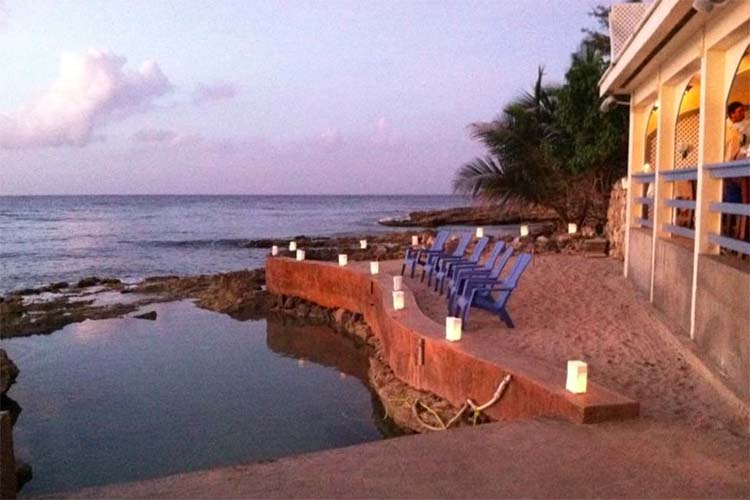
{"type": "Point", "coordinates": [521, 263]}
{"type": "Point", "coordinates": [507, 254]}
{"type": "Point", "coordinates": [440, 238]}
{"type": "Point", "coordinates": [476, 254]}
{"type": "Point", "coordinates": [492, 259]}
{"type": "Point", "coordinates": [462, 244]}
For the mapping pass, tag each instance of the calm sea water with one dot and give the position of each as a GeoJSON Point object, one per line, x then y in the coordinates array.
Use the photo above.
{"type": "Point", "coordinates": [127, 399]}
{"type": "Point", "coordinates": [65, 238]}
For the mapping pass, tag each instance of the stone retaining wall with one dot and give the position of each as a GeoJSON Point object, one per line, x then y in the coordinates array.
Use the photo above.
{"type": "Point", "coordinates": [415, 349]}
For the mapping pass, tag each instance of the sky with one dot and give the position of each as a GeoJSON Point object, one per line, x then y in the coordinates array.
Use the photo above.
{"type": "Point", "coordinates": [252, 97]}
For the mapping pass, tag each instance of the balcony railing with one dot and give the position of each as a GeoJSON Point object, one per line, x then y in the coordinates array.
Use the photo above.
{"type": "Point", "coordinates": [683, 174]}
{"type": "Point", "coordinates": [644, 178]}
{"type": "Point", "coordinates": [728, 170]}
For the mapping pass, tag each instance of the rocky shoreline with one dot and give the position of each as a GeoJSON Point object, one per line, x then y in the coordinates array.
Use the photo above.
{"type": "Point", "coordinates": [241, 294]}
{"type": "Point", "coordinates": [483, 215]}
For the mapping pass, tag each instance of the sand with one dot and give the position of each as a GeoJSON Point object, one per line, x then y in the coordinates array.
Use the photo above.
{"type": "Point", "coordinates": [574, 307]}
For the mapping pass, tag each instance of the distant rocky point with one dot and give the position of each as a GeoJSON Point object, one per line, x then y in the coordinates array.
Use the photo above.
{"type": "Point", "coordinates": [485, 215]}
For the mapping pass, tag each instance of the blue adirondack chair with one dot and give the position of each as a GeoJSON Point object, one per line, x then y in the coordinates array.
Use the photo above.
{"type": "Point", "coordinates": [463, 276]}
{"type": "Point", "coordinates": [478, 293]}
{"type": "Point", "coordinates": [432, 259]}
{"type": "Point", "coordinates": [412, 254]}
{"type": "Point", "coordinates": [445, 265]}
{"type": "Point", "coordinates": [466, 267]}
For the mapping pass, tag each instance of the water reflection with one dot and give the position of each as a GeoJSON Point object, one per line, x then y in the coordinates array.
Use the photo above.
{"type": "Point", "coordinates": [126, 399]}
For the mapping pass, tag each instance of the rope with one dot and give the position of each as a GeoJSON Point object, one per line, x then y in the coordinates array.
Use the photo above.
{"type": "Point", "coordinates": [477, 409]}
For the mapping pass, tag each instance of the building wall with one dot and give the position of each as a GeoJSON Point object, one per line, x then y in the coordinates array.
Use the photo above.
{"type": "Point", "coordinates": [722, 318]}
{"type": "Point", "coordinates": [673, 283]}
{"type": "Point", "coordinates": [639, 259]}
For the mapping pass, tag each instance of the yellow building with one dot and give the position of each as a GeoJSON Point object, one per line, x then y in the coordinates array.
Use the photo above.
{"type": "Point", "coordinates": [679, 64]}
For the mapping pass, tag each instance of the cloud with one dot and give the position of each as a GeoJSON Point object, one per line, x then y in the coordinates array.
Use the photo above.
{"type": "Point", "coordinates": [92, 89]}
{"type": "Point", "coordinates": [153, 135]}
{"type": "Point", "coordinates": [217, 91]}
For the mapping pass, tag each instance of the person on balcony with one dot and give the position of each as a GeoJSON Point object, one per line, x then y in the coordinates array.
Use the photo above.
{"type": "Point", "coordinates": [737, 190]}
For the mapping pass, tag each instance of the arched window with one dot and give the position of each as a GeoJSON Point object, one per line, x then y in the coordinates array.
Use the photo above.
{"type": "Point", "coordinates": [652, 129]}
{"type": "Point", "coordinates": [737, 147]}
{"type": "Point", "coordinates": [649, 157]}
{"type": "Point", "coordinates": [686, 136]}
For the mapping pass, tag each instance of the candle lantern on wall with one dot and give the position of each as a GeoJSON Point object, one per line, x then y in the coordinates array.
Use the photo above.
{"type": "Point", "coordinates": [577, 377]}
{"type": "Point", "coordinates": [452, 329]}
{"type": "Point", "coordinates": [398, 300]}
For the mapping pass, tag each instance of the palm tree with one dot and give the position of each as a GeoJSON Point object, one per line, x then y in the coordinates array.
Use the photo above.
{"type": "Point", "coordinates": [520, 165]}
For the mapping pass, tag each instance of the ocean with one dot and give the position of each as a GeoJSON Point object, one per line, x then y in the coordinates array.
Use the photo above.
{"type": "Point", "coordinates": [45, 239]}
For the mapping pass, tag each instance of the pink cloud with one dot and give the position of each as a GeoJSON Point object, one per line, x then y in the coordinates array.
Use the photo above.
{"type": "Point", "coordinates": [217, 91]}
{"type": "Point", "coordinates": [92, 89]}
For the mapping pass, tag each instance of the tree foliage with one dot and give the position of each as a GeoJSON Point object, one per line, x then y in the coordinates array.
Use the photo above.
{"type": "Point", "coordinates": [552, 146]}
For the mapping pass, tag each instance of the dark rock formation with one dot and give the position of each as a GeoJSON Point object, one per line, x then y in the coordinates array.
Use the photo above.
{"type": "Point", "coordinates": [151, 315]}
{"type": "Point", "coordinates": [8, 372]}
{"type": "Point", "coordinates": [487, 215]}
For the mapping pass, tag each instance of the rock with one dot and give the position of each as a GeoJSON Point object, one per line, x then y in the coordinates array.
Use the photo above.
{"type": "Point", "coordinates": [562, 239]}
{"type": "Point", "coordinates": [12, 407]}
{"type": "Point", "coordinates": [90, 281]}
{"type": "Point", "coordinates": [339, 315]}
{"type": "Point", "coordinates": [11, 307]}
{"type": "Point", "coordinates": [303, 309]}
{"type": "Point", "coordinates": [24, 473]}
{"type": "Point", "coordinates": [474, 216]}
{"type": "Point", "coordinates": [8, 372]}
{"type": "Point", "coordinates": [59, 285]}
{"type": "Point", "coordinates": [318, 313]}
{"type": "Point", "coordinates": [615, 229]}
{"type": "Point", "coordinates": [151, 315]}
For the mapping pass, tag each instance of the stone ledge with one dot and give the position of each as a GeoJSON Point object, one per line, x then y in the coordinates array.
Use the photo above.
{"type": "Point", "coordinates": [454, 371]}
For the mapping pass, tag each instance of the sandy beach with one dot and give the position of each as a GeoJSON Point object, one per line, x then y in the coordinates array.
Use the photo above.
{"type": "Point", "coordinates": [574, 307]}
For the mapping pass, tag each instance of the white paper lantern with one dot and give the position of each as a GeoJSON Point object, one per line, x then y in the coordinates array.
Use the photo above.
{"type": "Point", "coordinates": [343, 259]}
{"type": "Point", "coordinates": [300, 255]}
{"type": "Point", "coordinates": [414, 240]}
{"type": "Point", "coordinates": [577, 377]}
{"type": "Point", "coordinates": [274, 250]}
{"type": "Point", "coordinates": [480, 232]}
{"type": "Point", "coordinates": [572, 228]}
{"type": "Point", "coordinates": [398, 300]}
{"type": "Point", "coordinates": [452, 329]}
{"type": "Point", "coordinates": [374, 267]}
{"type": "Point", "coordinates": [398, 281]}
{"type": "Point", "coordinates": [292, 246]}
{"type": "Point", "coordinates": [362, 244]}
{"type": "Point", "coordinates": [524, 230]}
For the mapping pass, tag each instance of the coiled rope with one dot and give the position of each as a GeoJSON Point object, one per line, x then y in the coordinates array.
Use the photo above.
{"type": "Point", "coordinates": [477, 409]}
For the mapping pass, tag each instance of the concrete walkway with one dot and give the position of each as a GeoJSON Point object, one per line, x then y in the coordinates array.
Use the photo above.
{"type": "Point", "coordinates": [532, 459]}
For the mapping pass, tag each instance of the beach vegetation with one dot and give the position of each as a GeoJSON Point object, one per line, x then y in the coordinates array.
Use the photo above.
{"type": "Point", "coordinates": [552, 146]}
